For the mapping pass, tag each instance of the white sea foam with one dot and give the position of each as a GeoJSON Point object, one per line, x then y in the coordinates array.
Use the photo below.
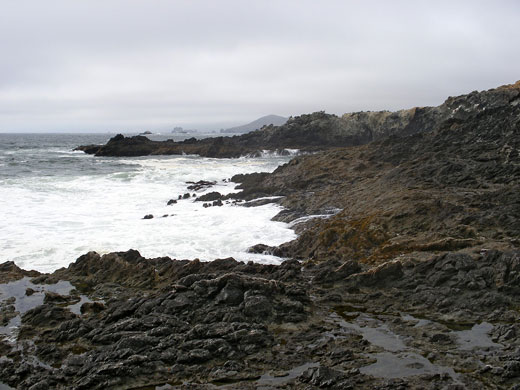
{"type": "Point", "coordinates": [48, 221]}
{"type": "Point", "coordinates": [330, 213]}
{"type": "Point", "coordinates": [273, 153]}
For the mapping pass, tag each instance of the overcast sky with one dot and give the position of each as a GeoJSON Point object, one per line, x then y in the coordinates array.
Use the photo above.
{"type": "Point", "coordinates": [116, 65]}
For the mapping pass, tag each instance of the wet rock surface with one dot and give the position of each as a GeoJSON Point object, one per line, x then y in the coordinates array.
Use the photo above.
{"type": "Point", "coordinates": [158, 314]}
{"type": "Point", "coordinates": [405, 274]}
{"type": "Point", "coordinates": [9, 272]}
{"type": "Point", "coordinates": [200, 185]}
{"type": "Point", "coordinates": [255, 326]}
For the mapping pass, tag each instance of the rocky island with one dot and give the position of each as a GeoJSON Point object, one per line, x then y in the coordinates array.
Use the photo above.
{"type": "Point", "coordinates": [405, 273]}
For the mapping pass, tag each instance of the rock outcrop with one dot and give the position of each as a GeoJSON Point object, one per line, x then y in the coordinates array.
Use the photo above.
{"type": "Point", "coordinates": [452, 188]}
{"type": "Point", "coordinates": [331, 324]}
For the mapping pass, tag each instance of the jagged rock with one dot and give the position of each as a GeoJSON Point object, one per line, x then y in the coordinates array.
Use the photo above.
{"type": "Point", "coordinates": [381, 275]}
{"type": "Point", "coordinates": [260, 248]}
{"type": "Point", "coordinates": [200, 185]}
{"type": "Point", "coordinates": [441, 338]}
{"type": "Point", "coordinates": [92, 307]}
{"type": "Point", "coordinates": [9, 272]}
{"type": "Point", "coordinates": [332, 271]}
{"type": "Point", "coordinates": [257, 306]}
{"type": "Point", "coordinates": [322, 377]}
{"type": "Point", "coordinates": [7, 311]}
{"type": "Point", "coordinates": [47, 315]}
{"type": "Point", "coordinates": [58, 299]}
{"type": "Point", "coordinates": [89, 149]}
{"type": "Point", "coordinates": [209, 197]}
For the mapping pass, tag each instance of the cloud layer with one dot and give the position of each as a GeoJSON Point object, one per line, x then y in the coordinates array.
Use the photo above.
{"type": "Point", "coordinates": [127, 65]}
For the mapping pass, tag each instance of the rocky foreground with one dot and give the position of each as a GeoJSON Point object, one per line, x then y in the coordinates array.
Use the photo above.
{"type": "Point", "coordinates": [405, 275]}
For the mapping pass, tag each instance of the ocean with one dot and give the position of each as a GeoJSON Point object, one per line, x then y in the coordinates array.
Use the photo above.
{"type": "Point", "coordinates": [57, 204]}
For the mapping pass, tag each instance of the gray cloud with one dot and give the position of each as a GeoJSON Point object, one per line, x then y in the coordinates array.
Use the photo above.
{"type": "Point", "coordinates": [112, 65]}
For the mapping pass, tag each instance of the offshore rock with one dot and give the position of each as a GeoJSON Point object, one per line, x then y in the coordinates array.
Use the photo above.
{"type": "Point", "coordinates": [200, 185]}
{"type": "Point", "coordinates": [209, 197]}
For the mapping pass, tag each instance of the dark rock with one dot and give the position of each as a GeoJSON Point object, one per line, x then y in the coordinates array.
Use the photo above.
{"type": "Point", "coordinates": [148, 216]}
{"type": "Point", "coordinates": [171, 201]}
{"type": "Point", "coordinates": [209, 197]}
{"type": "Point", "coordinates": [124, 268]}
{"type": "Point", "coordinates": [47, 316]}
{"type": "Point", "coordinates": [512, 369]}
{"type": "Point", "coordinates": [9, 272]}
{"type": "Point", "coordinates": [332, 271]}
{"type": "Point", "coordinates": [441, 338]}
{"type": "Point", "coordinates": [381, 275]}
{"type": "Point", "coordinates": [89, 149]}
{"type": "Point", "coordinates": [92, 307]}
{"type": "Point", "coordinates": [230, 294]}
{"type": "Point", "coordinates": [136, 343]}
{"type": "Point", "coordinates": [260, 248]}
{"type": "Point", "coordinates": [57, 299]}
{"type": "Point", "coordinates": [200, 185]}
{"type": "Point", "coordinates": [322, 377]}
{"type": "Point", "coordinates": [7, 311]}
{"type": "Point", "coordinates": [194, 356]}
{"type": "Point", "coordinates": [257, 306]}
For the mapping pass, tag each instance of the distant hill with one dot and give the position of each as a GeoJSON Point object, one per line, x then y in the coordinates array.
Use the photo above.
{"type": "Point", "coordinates": [257, 124]}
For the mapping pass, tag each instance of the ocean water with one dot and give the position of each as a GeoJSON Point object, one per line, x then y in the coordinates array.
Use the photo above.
{"type": "Point", "coordinates": [57, 204]}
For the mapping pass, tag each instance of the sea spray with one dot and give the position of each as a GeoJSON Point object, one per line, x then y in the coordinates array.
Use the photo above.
{"type": "Point", "coordinates": [60, 204]}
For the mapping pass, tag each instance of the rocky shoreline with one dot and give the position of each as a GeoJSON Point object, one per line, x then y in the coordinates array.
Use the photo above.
{"type": "Point", "coordinates": [448, 322]}
{"type": "Point", "coordinates": [316, 131]}
{"type": "Point", "coordinates": [405, 274]}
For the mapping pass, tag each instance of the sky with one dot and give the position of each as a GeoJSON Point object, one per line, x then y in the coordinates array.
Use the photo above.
{"type": "Point", "coordinates": [127, 65]}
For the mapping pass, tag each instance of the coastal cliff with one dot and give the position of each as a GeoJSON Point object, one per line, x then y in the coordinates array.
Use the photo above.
{"type": "Point", "coordinates": [317, 131]}
{"type": "Point", "coordinates": [453, 187]}
{"type": "Point", "coordinates": [405, 273]}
